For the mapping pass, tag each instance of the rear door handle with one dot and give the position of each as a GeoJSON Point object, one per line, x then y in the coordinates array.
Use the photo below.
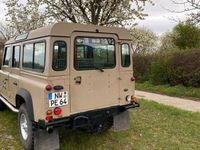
{"type": "Point", "coordinates": [77, 80]}
{"type": "Point", "coordinates": [15, 83]}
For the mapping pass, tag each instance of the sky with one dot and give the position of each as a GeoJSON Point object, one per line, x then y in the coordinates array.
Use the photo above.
{"type": "Point", "coordinates": [158, 20]}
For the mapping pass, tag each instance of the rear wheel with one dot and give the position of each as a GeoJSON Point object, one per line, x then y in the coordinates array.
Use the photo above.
{"type": "Point", "coordinates": [2, 106]}
{"type": "Point", "coordinates": [99, 125]}
{"type": "Point", "coordinates": [26, 128]}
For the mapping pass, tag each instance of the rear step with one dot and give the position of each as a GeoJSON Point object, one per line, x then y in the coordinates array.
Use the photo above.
{"type": "Point", "coordinates": [8, 104]}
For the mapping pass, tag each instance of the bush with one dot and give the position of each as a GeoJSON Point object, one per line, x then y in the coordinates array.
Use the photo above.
{"type": "Point", "coordinates": [185, 68]}
{"type": "Point", "coordinates": [159, 72]}
{"type": "Point", "coordinates": [174, 68]}
{"type": "Point", "coordinates": [141, 66]}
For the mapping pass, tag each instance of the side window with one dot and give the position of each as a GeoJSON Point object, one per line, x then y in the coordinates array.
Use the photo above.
{"type": "Point", "coordinates": [34, 56]}
{"type": "Point", "coordinates": [28, 56]}
{"type": "Point", "coordinates": [125, 55]}
{"type": "Point", "coordinates": [16, 57]}
{"type": "Point", "coordinates": [6, 56]}
{"type": "Point", "coordinates": [59, 56]}
{"type": "Point", "coordinates": [39, 55]}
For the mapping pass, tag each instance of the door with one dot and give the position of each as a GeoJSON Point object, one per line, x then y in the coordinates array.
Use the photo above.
{"type": "Point", "coordinates": [126, 72]}
{"type": "Point", "coordinates": [94, 74]}
{"type": "Point", "coordinates": [14, 73]}
{"type": "Point", "coordinates": [4, 83]}
{"type": "Point", "coordinates": [59, 62]}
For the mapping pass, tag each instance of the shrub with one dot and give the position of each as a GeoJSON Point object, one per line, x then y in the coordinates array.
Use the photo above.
{"type": "Point", "coordinates": [185, 68]}
{"type": "Point", "coordinates": [159, 71]}
{"type": "Point", "coordinates": [141, 66]}
{"type": "Point", "coordinates": [174, 68]}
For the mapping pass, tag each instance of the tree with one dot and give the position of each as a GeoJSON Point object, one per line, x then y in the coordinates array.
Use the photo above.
{"type": "Point", "coordinates": [144, 41]}
{"type": "Point", "coordinates": [25, 16]}
{"type": "Point", "coordinates": [192, 7]}
{"type": "Point", "coordinates": [6, 32]}
{"type": "Point", "coordinates": [98, 12]}
{"type": "Point", "coordinates": [186, 35]}
{"type": "Point", "coordinates": [167, 43]}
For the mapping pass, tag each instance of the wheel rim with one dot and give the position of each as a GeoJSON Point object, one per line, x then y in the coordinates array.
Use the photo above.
{"type": "Point", "coordinates": [24, 126]}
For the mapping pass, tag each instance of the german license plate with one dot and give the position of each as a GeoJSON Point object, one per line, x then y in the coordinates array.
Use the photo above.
{"type": "Point", "coordinates": [58, 99]}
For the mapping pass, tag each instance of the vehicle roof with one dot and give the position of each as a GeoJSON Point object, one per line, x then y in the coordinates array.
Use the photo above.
{"type": "Point", "coordinates": [66, 29]}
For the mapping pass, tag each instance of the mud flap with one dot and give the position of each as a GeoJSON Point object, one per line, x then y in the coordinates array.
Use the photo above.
{"type": "Point", "coordinates": [46, 141]}
{"type": "Point", "coordinates": [121, 121]}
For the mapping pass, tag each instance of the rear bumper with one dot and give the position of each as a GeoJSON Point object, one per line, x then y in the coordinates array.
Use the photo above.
{"type": "Point", "coordinates": [80, 119]}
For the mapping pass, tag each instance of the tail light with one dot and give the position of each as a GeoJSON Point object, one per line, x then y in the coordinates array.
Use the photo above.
{"type": "Point", "coordinates": [131, 99]}
{"type": "Point", "coordinates": [132, 79]}
{"type": "Point", "coordinates": [57, 111]}
{"type": "Point", "coordinates": [49, 87]}
{"type": "Point", "coordinates": [128, 98]}
{"type": "Point", "coordinates": [49, 112]}
{"type": "Point", "coordinates": [49, 118]}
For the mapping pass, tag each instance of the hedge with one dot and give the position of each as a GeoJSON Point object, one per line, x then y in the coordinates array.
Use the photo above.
{"type": "Point", "coordinates": [180, 67]}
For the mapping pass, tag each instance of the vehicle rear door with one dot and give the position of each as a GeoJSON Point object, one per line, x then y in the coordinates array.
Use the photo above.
{"type": "Point", "coordinates": [94, 72]}
{"type": "Point", "coordinates": [126, 71]}
{"type": "Point", "coordinates": [59, 62]}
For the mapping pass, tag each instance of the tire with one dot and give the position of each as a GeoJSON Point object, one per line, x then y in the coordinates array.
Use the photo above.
{"type": "Point", "coordinates": [2, 106]}
{"type": "Point", "coordinates": [26, 128]}
{"type": "Point", "coordinates": [99, 126]}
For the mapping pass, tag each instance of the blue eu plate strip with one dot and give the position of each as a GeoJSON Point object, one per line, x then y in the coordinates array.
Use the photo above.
{"type": "Point", "coordinates": [50, 96]}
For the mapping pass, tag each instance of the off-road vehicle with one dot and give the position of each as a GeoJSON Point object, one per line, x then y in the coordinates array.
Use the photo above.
{"type": "Point", "coordinates": [72, 75]}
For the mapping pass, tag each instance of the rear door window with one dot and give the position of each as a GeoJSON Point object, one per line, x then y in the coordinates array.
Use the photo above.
{"type": "Point", "coordinates": [7, 54]}
{"type": "Point", "coordinates": [125, 55]}
{"type": "Point", "coordinates": [59, 56]}
{"type": "Point", "coordinates": [92, 53]}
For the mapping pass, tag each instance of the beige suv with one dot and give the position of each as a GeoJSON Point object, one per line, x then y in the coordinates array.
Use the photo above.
{"type": "Point", "coordinates": [73, 75]}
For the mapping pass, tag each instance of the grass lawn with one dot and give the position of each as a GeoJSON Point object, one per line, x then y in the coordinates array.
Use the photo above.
{"type": "Point", "coordinates": [153, 126]}
{"type": "Point", "coordinates": [179, 90]}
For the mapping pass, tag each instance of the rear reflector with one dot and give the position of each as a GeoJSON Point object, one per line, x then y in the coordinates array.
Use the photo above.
{"type": "Point", "coordinates": [49, 118]}
{"type": "Point", "coordinates": [57, 111]}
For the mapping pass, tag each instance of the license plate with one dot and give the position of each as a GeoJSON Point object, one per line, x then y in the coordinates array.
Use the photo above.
{"type": "Point", "coordinates": [58, 99]}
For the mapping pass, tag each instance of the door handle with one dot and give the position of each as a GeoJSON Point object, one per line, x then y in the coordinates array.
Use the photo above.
{"type": "Point", "coordinates": [77, 80]}
{"type": "Point", "coordinates": [15, 83]}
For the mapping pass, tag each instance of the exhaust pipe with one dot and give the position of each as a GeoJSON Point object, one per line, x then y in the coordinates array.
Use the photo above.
{"type": "Point", "coordinates": [49, 130]}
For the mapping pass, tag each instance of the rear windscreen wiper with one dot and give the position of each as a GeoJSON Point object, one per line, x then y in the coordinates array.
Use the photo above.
{"type": "Point", "coordinates": [98, 68]}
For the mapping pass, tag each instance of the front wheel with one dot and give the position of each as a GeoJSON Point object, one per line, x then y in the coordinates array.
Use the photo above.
{"type": "Point", "coordinates": [26, 128]}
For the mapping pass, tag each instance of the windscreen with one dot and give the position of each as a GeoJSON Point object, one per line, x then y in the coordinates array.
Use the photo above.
{"type": "Point", "coordinates": [92, 53]}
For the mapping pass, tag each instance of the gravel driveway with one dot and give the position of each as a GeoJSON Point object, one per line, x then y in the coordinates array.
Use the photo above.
{"type": "Point", "coordinates": [181, 103]}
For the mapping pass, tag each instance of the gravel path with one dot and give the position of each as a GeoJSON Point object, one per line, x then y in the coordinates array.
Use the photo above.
{"type": "Point", "coordinates": [185, 104]}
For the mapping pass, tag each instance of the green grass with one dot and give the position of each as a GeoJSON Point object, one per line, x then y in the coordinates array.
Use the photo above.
{"type": "Point", "coordinates": [153, 127]}
{"type": "Point", "coordinates": [179, 90]}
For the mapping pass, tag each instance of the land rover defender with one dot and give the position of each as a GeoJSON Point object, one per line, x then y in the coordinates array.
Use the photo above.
{"type": "Point", "coordinates": [72, 75]}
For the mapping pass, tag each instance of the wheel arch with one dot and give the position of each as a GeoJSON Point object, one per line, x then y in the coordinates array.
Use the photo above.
{"type": "Point", "coordinates": [24, 96]}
